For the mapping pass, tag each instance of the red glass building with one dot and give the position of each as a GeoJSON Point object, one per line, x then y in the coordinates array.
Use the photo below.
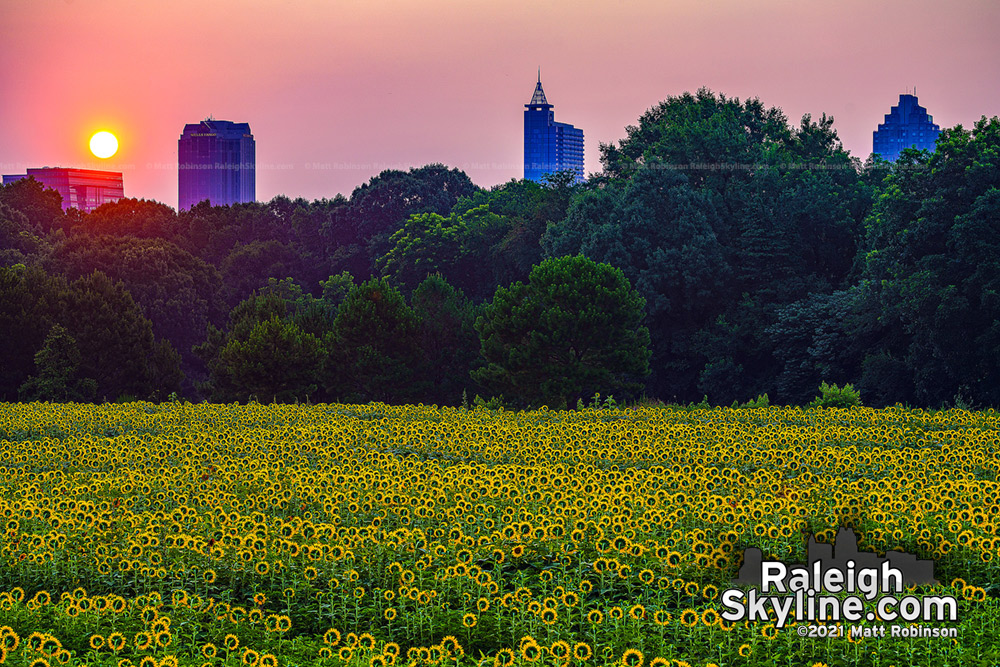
{"type": "Point", "coordinates": [84, 189]}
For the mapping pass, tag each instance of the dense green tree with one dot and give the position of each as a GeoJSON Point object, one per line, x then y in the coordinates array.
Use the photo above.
{"type": "Point", "coordinates": [19, 239]}
{"type": "Point", "coordinates": [720, 213]}
{"type": "Point", "coordinates": [575, 328]}
{"type": "Point", "coordinates": [932, 262]}
{"type": "Point", "coordinates": [279, 299]}
{"type": "Point", "coordinates": [661, 233]}
{"type": "Point", "coordinates": [820, 341]}
{"type": "Point", "coordinates": [456, 246]}
{"type": "Point", "coordinates": [448, 341]}
{"type": "Point", "coordinates": [116, 342]}
{"type": "Point", "coordinates": [336, 288]}
{"type": "Point", "coordinates": [57, 375]}
{"type": "Point", "coordinates": [374, 350]}
{"type": "Point", "coordinates": [178, 292]}
{"type": "Point", "coordinates": [526, 209]}
{"type": "Point", "coordinates": [249, 266]}
{"type": "Point", "coordinates": [31, 302]}
{"type": "Point", "coordinates": [140, 218]}
{"type": "Point", "coordinates": [378, 208]}
{"type": "Point", "coordinates": [42, 206]}
{"type": "Point", "coordinates": [276, 361]}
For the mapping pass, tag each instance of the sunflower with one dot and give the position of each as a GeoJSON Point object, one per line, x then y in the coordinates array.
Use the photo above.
{"type": "Point", "coordinates": [532, 652]}
{"type": "Point", "coordinates": [503, 658]}
{"type": "Point", "coordinates": [632, 658]}
{"type": "Point", "coordinates": [595, 617]}
{"type": "Point", "coordinates": [96, 642]}
{"type": "Point", "coordinates": [116, 641]}
{"type": "Point", "coordinates": [582, 652]}
{"type": "Point", "coordinates": [744, 650]}
{"type": "Point", "coordinates": [141, 641]}
{"type": "Point", "coordinates": [689, 618]}
{"type": "Point", "coordinates": [249, 657]}
{"type": "Point", "coordinates": [469, 620]}
{"type": "Point", "coordinates": [561, 650]}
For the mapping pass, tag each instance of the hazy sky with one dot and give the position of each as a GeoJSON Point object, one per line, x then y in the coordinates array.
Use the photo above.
{"type": "Point", "coordinates": [336, 91]}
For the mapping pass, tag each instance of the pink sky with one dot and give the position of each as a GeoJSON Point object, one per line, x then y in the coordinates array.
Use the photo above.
{"type": "Point", "coordinates": [336, 91]}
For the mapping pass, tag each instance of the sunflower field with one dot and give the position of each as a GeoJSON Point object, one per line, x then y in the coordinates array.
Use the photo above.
{"type": "Point", "coordinates": [144, 535]}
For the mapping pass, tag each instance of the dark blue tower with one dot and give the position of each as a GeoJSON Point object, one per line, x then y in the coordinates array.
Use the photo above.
{"type": "Point", "coordinates": [907, 125]}
{"type": "Point", "coordinates": [216, 160]}
{"type": "Point", "coordinates": [549, 146]}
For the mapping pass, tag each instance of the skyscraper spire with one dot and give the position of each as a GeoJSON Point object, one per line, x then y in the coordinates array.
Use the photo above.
{"type": "Point", "coordinates": [539, 95]}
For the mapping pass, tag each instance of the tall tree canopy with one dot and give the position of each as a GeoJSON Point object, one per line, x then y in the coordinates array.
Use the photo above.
{"type": "Point", "coordinates": [932, 266]}
{"type": "Point", "coordinates": [574, 329]}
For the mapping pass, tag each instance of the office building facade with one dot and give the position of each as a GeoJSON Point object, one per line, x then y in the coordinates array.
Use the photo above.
{"type": "Point", "coordinates": [549, 146]}
{"type": "Point", "coordinates": [216, 161]}
{"type": "Point", "coordinates": [83, 189]}
{"type": "Point", "coordinates": [907, 125]}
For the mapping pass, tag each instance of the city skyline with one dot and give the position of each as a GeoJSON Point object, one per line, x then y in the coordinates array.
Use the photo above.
{"type": "Point", "coordinates": [337, 94]}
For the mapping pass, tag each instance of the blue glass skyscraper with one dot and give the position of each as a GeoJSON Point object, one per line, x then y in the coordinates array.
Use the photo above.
{"type": "Point", "coordinates": [216, 161]}
{"type": "Point", "coordinates": [907, 125]}
{"type": "Point", "coordinates": [549, 146]}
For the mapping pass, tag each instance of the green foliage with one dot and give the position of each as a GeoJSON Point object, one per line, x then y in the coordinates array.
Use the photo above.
{"type": "Point", "coordinates": [31, 301]}
{"type": "Point", "coordinates": [336, 288]}
{"type": "Point", "coordinates": [832, 396]}
{"type": "Point", "coordinates": [276, 361]}
{"type": "Point", "coordinates": [57, 377]}
{"type": "Point", "coordinates": [574, 329]}
{"type": "Point", "coordinates": [448, 341]}
{"type": "Point", "coordinates": [715, 248]}
{"type": "Point", "coordinates": [374, 347]}
{"type": "Point", "coordinates": [596, 403]}
{"type": "Point", "coordinates": [19, 239]}
{"type": "Point", "coordinates": [456, 246]}
{"type": "Point", "coordinates": [762, 401]}
{"type": "Point", "coordinates": [494, 403]}
{"type": "Point", "coordinates": [40, 205]}
{"type": "Point", "coordinates": [178, 292]}
{"type": "Point", "coordinates": [116, 342]}
{"type": "Point", "coordinates": [932, 266]}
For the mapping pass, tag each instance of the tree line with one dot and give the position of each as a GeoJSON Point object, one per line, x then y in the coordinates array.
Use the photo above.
{"type": "Point", "coordinates": [721, 252]}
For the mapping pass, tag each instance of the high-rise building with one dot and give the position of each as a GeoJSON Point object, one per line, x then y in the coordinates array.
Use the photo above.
{"type": "Point", "coordinates": [84, 189]}
{"type": "Point", "coordinates": [549, 146]}
{"type": "Point", "coordinates": [215, 161]}
{"type": "Point", "coordinates": [907, 125]}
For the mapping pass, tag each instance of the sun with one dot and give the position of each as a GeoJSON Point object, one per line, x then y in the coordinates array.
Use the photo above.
{"type": "Point", "coordinates": [103, 144]}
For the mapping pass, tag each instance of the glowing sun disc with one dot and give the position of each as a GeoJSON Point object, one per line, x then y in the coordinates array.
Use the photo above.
{"type": "Point", "coordinates": [103, 144]}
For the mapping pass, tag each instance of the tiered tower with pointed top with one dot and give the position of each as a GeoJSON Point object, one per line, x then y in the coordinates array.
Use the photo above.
{"type": "Point", "coordinates": [549, 146]}
{"type": "Point", "coordinates": [907, 125]}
